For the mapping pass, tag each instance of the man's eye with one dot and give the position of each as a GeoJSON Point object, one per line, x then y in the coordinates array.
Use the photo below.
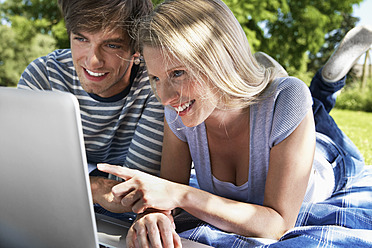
{"type": "Point", "coordinates": [80, 39]}
{"type": "Point", "coordinates": [113, 46]}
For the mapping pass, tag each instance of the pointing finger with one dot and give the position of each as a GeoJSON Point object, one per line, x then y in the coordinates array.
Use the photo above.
{"type": "Point", "coordinates": [119, 171]}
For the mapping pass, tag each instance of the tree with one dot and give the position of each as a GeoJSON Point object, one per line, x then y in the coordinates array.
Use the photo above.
{"type": "Point", "coordinates": [292, 31]}
{"type": "Point", "coordinates": [44, 16]}
{"type": "Point", "coordinates": [8, 67]}
{"type": "Point", "coordinates": [27, 31]}
{"type": "Point", "coordinates": [20, 45]}
{"type": "Point", "coordinates": [156, 2]}
{"type": "Point", "coordinates": [332, 40]}
{"type": "Point", "coordinates": [297, 33]}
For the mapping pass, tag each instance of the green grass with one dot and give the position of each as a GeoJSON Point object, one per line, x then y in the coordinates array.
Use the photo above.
{"type": "Point", "coordinates": [358, 126]}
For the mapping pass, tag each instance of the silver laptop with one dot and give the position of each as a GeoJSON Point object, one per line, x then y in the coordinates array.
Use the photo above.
{"type": "Point", "coordinates": [45, 198]}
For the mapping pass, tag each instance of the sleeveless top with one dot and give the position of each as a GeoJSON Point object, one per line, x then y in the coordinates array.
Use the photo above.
{"type": "Point", "coordinates": [272, 119]}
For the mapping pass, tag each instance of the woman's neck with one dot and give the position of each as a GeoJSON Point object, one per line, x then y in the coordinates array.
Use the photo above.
{"type": "Point", "coordinates": [227, 124]}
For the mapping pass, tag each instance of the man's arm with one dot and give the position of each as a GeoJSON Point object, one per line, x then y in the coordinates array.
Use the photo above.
{"type": "Point", "coordinates": [144, 152]}
{"type": "Point", "coordinates": [35, 76]}
{"type": "Point", "coordinates": [102, 195]}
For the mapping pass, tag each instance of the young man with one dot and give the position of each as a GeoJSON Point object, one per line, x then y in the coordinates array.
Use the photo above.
{"type": "Point", "coordinates": [122, 120]}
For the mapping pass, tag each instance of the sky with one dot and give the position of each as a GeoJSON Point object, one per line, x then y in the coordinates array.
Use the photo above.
{"type": "Point", "coordinates": [364, 12]}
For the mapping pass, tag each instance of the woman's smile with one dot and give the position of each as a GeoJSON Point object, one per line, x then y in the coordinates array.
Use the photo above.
{"type": "Point", "coordinates": [184, 108]}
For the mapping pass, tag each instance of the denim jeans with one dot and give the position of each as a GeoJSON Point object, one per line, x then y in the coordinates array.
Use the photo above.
{"type": "Point", "coordinates": [332, 142]}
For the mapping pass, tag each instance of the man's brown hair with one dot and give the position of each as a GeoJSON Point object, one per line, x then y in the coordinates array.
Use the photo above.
{"type": "Point", "coordinates": [104, 15]}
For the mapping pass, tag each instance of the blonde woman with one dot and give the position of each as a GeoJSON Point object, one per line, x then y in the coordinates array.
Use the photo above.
{"type": "Point", "coordinates": [250, 133]}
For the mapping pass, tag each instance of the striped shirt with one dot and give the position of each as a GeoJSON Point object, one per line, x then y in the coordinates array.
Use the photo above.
{"type": "Point", "coordinates": [126, 129]}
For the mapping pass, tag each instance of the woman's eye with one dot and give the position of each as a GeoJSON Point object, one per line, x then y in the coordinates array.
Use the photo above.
{"type": "Point", "coordinates": [154, 79]}
{"type": "Point", "coordinates": [178, 73]}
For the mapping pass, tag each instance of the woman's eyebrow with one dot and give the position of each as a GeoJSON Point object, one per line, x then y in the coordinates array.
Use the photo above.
{"type": "Point", "coordinates": [177, 67]}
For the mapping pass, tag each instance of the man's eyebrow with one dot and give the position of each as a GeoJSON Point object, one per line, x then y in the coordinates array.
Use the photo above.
{"type": "Point", "coordinates": [78, 34]}
{"type": "Point", "coordinates": [115, 40]}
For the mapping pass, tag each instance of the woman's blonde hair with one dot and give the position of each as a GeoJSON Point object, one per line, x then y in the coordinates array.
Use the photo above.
{"type": "Point", "coordinates": [207, 38]}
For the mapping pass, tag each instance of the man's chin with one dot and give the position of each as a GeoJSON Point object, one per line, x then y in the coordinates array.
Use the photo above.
{"type": "Point", "coordinates": [92, 90]}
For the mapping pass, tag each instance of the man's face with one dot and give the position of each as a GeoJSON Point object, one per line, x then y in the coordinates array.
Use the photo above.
{"type": "Point", "coordinates": [102, 61]}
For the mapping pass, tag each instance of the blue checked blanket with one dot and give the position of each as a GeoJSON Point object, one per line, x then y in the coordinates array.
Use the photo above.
{"type": "Point", "coordinates": [344, 220]}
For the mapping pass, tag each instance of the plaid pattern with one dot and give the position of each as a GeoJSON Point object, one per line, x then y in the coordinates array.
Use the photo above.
{"type": "Point", "coordinates": [344, 220]}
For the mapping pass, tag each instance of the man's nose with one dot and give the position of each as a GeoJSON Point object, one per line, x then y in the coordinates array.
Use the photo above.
{"type": "Point", "coordinates": [95, 58]}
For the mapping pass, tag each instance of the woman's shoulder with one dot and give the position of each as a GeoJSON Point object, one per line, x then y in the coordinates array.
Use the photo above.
{"type": "Point", "coordinates": [289, 84]}
{"type": "Point", "coordinates": [285, 104]}
{"type": "Point", "coordinates": [285, 89]}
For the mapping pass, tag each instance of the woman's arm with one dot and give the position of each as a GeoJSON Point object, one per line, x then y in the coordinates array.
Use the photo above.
{"type": "Point", "coordinates": [286, 183]}
{"type": "Point", "coordinates": [289, 170]}
{"type": "Point", "coordinates": [176, 158]}
{"type": "Point", "coordinates": [287, 179]}
{"type": "Point", "coordinates": [154, 227]}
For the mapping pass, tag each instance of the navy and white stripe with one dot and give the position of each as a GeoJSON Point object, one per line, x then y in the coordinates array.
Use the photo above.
{"type": "Point", "coordinates": [127, 132]}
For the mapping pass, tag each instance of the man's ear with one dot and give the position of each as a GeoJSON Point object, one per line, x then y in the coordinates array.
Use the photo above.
{"type": "Point", "coordinates": [137, 58]}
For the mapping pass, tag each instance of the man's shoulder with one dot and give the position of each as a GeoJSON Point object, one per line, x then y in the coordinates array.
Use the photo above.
{"type": "Point", "coordinates": [61, 57]}
{"type": "Point", "coordinates": [52, 71]}
{"type": "Point", "coordinates": [141, 75]}
{"type": "Point", "coordinates": [141, 83]}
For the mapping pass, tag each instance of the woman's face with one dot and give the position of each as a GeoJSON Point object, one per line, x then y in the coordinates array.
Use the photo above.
{"type": "Point", "coordinates": [175, 88]}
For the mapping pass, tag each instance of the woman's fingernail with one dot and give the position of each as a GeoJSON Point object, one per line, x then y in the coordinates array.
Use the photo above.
{"type": "Point", "coordinates": [100, 166]}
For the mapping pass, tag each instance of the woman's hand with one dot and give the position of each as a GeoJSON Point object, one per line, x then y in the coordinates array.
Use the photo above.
{"type": "Point", "coordinates": [142, 191]}
{"type": "Point", "coordinates": [155, 229]}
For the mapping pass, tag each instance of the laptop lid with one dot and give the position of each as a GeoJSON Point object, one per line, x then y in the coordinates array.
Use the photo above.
{"type": "Point", "coordinates": [45, 198]}
{"type": "Point", "coordinates": [45, 195]}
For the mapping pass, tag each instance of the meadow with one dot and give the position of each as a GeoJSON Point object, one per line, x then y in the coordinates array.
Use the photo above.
{"type": "Point", "coordinates": [358, 126]}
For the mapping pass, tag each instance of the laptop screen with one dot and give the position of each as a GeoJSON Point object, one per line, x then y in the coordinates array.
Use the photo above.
{"type": "Point", "coordinates": [45, 191]}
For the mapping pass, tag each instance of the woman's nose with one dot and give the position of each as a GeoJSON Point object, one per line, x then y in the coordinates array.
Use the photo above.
{"type": "Point", "coordinates": [167, 93]}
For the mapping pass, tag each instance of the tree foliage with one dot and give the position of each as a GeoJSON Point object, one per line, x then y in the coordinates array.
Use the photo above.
{"type": "Point", "coordinates": [332, 39]}
{"type": "Point", "coordinates": [300, 34]}
{"type": "Point", "coordinates": [295, 32]}
{"type": "Point", "coordinates": [26, 33]}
